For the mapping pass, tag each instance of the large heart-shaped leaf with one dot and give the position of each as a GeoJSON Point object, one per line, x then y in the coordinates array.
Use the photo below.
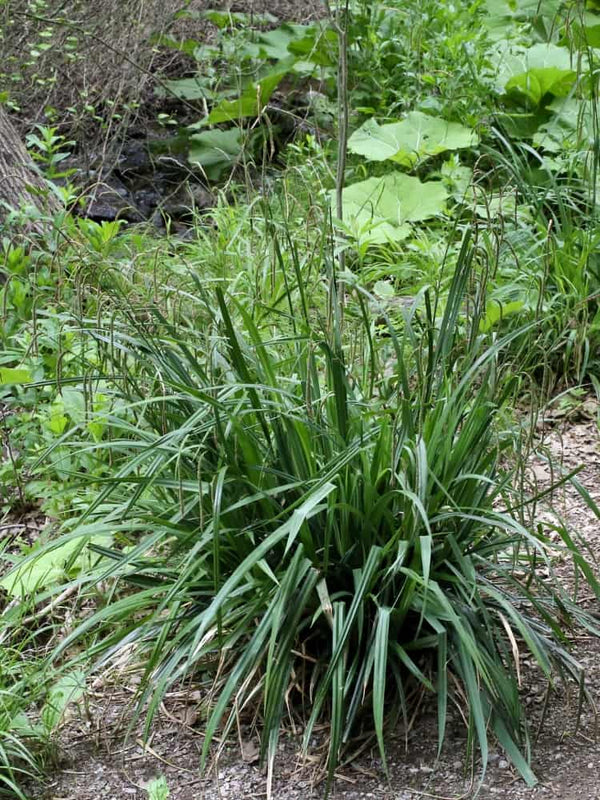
{"type": "Point", "coordinates": [418, 136]}
{"type": "Point", "coordinates": [50, 568]}
{"type": "Point", "coordinates": [532, 74]}
{"type": "Point", "coordinates": [377, 210]}
{"type": "Point", "coordinates": [274, 44]}
{"type": "Point", "coordinates": [186, 88]}
{"type": "Point", "coordinates": [583, 36]}
{"type": "Point", "coordinates": [215, 151]}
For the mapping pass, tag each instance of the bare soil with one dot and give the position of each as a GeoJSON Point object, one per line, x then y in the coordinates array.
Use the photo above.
{"type": "Point", "coordinates": [103, 54]}
{"type": "Point", "coordinates": [98, 760]}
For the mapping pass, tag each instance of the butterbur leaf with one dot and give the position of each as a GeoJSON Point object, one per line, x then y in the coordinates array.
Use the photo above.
{"type": "Point", "coordinates": [51, 567]}
{"type": "Point", "coordinates": [519, 125]}
{"type": "Point", "coordinates": [216, 151]}
{"type": "Point", "coordinates": [571, 125]}
{"type": "Point", "coordinates": [379, 208]}
{"type": "Point", "coordinates": [310, 42]}
{"type": "Point", "coordinates": [187, 46]}
{"type": "Point", "coordinates": [495, 312]}
{"type": "Point", "coordinates": [532, 74]}
{"type": "Point", "coordinates": [275, 44]}
{"type": "Point", "coordinates": [57, 419]}
{"type": "Point", "coordinates": [12, 375]}
{"type": "Point", "coordinates": [228, 19]}
{"type": "Point", "coordinates": [318, 47]}
{"type": "Point", "coordinates": [384, 289]}
{"type": "Point", "coordinates": [416, 137]}
{"type": "Point", "coordinates": [186, 88]}
{"type": "Point", "coordinates": [68, 689]}
{"type": "Point", "coordinates": [583, 35]}
{"type": "Point", "coordinates": [499, 15]}
{"type": "Point", "coordinates": [535, 84]}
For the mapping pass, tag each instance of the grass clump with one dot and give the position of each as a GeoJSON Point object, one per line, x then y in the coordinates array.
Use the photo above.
{"type": "Point", "coordinates": [304, 508]}
{"type": "Point", "coordinates": [297, 485]}
{"type": "Point", "coordinates": [22, 745]}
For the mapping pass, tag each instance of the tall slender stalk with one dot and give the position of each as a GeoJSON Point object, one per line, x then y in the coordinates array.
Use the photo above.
{"type": "Point", "coordinates": [340, 22]}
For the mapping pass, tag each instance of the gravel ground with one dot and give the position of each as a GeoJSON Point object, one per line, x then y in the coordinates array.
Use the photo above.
{"type": "Point", "coordinates": [98, 762]}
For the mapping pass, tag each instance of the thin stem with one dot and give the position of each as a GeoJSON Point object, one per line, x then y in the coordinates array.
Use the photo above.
{"type": "Point", "coordinates": [342, 30]}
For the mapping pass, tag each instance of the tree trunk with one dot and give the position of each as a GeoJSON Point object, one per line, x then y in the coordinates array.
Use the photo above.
{"type": "Point", "coordinates": [20, 183]}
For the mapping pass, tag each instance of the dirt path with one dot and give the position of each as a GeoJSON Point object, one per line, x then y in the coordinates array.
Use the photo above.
{"type": "Point", "coordinates": [98, 763]}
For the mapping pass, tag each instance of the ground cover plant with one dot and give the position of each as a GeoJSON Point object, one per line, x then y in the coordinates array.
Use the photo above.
{"type": "Point", "coordinates": [339, 523]}
{"type": "Point", "coordinates": [281, 457]}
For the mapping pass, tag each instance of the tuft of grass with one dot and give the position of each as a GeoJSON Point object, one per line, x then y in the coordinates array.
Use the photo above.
{"type": "Point", "coordinates": [314, 514]}
{"type": "Point", "coordinates": [20, 742]}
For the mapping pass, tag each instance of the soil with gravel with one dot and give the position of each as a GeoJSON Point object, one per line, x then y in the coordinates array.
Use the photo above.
{"type": "Point", "coordinates": [98, 760]}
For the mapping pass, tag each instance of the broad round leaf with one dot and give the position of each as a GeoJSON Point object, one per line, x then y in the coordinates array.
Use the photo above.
{"type": "Point", "coordinates": [531, 74]}
{"type": "Point", "coordinates": [416, 137]}
{"type": "Point", "coordinates": [379, 208]}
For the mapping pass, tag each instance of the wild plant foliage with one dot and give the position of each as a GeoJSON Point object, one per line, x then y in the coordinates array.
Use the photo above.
{"type": "Point", "coordinates": [309, 522]}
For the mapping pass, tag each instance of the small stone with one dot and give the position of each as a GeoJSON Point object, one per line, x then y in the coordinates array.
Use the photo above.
{"type": "Point", "coordinates": [503, 763]}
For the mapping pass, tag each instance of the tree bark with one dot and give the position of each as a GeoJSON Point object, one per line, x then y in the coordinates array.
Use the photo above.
{"type": "Point", "coordinates": [20, 183]}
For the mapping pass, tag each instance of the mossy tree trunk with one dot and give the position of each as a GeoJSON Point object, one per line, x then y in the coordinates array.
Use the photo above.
{"type": "Point", "coordinates": [20, 184]}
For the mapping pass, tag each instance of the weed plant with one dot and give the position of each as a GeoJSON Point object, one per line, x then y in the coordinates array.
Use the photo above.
{"type": "Point", "coordinates": [308, 499]}
{"type": "Point", "coordinates": [21, 745]}
{"type": "Point", "coordinates": [314, 516]}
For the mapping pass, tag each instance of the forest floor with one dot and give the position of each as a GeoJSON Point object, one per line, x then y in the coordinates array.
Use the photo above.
{"type": "Point", "coordinates": [98, 760]}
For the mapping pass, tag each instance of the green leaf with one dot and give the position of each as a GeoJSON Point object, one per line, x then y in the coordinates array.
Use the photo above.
{"type": "Point", "coordinates": [317, 47]}
{"type": "Point", "coordinates": [57, 419]}
{"type": "Point", "coordinates": [499, 15]}
{"type": "Point", "coordinates": [380, 665]}
{"type": "Point", "coordinates": [216, 151]}
{"type": "Point", "coordinates": [187, 46]}
{"type": "Point", "coordinates": [572, 125]}
{"type": "Point", "coordinates": [456, 178]}
{"type": "Point", "coordinates": [227, 19]}
{"type": "Point", "coordinates": [158, 789]}
{"type": "Point", "coordinates": [378, 209]}
{"type": "Point", "coordinates": [74, 403]}
{"type": "Point", "coordinates": [275, 44]}
{"type": "Point", "coordinates": [253, 99]}
{"type": "Point", "coordinates": [68, 689]}
{"type": "Point", "coordinates": [187, 88]}
{"type": "Point", "coordinates": [495, 312]}
{"type": "Point", "coordinates": [512, 751]}
{"type": "Point", "coordinates": [583, 36]}
{"type": "Point", "coordinates": [384, 289]}
{"type": "Point", "coordinates": [9, 375]}
{"type": "Point", "coordinates": [51, 566]}
{"type": "Point", "coordinates": [415, 138]}
{"type": "Point", "coordinates": [531, 75]}
{"type": "Point", "coordinates": [522, 125]}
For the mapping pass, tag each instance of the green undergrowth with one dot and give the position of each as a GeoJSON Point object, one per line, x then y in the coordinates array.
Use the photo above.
{"type": "Point", "coordinates": [289, 480]}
